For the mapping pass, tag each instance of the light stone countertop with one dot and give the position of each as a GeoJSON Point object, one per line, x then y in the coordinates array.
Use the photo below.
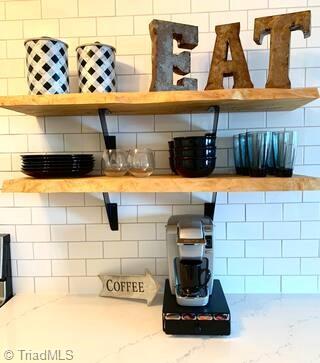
{"type": "Point", "coordinates": [265, 328]}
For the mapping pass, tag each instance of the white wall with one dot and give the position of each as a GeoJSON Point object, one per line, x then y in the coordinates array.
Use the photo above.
{"type": "Point", "coordinates": [266, 242]}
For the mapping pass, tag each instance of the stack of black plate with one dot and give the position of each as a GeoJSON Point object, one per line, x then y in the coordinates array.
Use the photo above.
{"type": "Point", "coordinates": [57, 165]}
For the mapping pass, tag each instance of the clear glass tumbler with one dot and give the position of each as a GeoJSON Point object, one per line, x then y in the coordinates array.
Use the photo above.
{"type": "Point", "coordinates": [258, 145]}
{"type": "Point", "coordinates": [141, 162]}
{"type": "Point", "coordinates": [114, 162]}
{"type": "Point", "coordinates": [284, 145]}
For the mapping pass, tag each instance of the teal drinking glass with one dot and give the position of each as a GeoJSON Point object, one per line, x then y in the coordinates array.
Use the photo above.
{"type": "Point", "coordinates": [258, 145]}
{"type": "Point", "coordinates": [284, 145]}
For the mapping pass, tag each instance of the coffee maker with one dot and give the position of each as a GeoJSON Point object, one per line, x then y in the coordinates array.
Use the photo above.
{"type": "Point", "coordinates": [194, 302]}
{"type": "Point", "coordinates": [6, 292]}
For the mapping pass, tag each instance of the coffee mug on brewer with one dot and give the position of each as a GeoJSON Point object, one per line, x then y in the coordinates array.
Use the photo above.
{"type": "Point", "coordinates": [192, 277]}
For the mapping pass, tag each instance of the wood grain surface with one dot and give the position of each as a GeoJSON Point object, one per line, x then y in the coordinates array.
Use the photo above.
{"type": "Point", "coordinates": [138, 103]}
{"type": "Point", "coordinates": [161, 183]}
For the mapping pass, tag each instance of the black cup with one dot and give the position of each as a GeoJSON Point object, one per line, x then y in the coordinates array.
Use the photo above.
{"type": "Point", "coordinates": [192, 277]}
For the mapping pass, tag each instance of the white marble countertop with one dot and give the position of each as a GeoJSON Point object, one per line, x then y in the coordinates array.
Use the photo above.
{"type": "Point", "coordinates": [265, 328]}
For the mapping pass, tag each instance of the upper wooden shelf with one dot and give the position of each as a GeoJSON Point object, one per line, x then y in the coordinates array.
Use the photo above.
{"type": "Point", "coordinates": [139, 103]}
{"type": "Point", "coordinates": [160, 183]}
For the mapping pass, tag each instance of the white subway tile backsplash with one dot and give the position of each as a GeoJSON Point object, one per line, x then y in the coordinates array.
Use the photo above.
{"type": "Point", "coordinates": [52, 285]}
{"type": "Point", "coordinates": [232, 284]}
{"type": "Point", "coordinates": [33, 233]}
{"type": "Point", "coordinates": [23, 10]}
{"type": "Point", "coordinates": [80, 215]}
{"type": "Point", "coordinates": [34, 268]}
{"type": "Point", "coordinates": [223, 248]}
{"type": "Point", "coordinates": [22, 285]}
{"type": "Point", "coordinates": [299, 284]}
{"type": "Point", "coordinates": [119, 25]}
{"type": "Point", "coordinates": [30, 200]}
{"type": "Point", "coordinates": [48, 215]}
{"type": "Point", "coordinates": [141, 231]}
{"type": "Point", "coordinates": [21, 251]}
{"type": "Point", "coordinates": [68, 268]}
{"type": "Point", "coordinates": [101, 232]}
{"type": "Point", "coordinates": [85, 285]}
{"type": "Point", "coordinates": [245, 266]}
{"type": "Point", "coordinates": [229, 213]}
{"type": "Point", "coordinates": [36, 28]}
{"type": "Point", "coordinates": [50, 250]}
{"type": "Point", "coordinates": [154, 213]}
{"type": "Point", "coordinates": [103, 266]}
{"type": "Point", "coordinates": [281, 230]}
{"type": "Point", "coordinates": [68, 233]}
{"type": "Point", "coordinates": [265, 212]}
{"type": "Point", "coordinates": [285, 118]}
{"type": "Point", "coordinates": [96, 8]}
{"type": "Point", "coordinates": [63, 125]}
{"type": "Point", "coordinates": [172, 122]}
{"type": "Point", "coordinates": [152, 249]}
{"type": "Point", "coordinates": [120, 249]}
{"type": "Point", "coordinates": [82, 142]}
{"type": "Point", "coordinates": [283, 197]}
{"type": "Point", "coordinates": [66, 199]}
{"type": "Point", "coordinates": [263, 284]}
{"type": "Point", "coordinates": [58, 8]}
{"type": "Point", "coordinates": [263, 248]}
{"type": "Point", "coordinates": [281, 266]}
{"type": "Point", "coordinates": [45, 143]}
{"type": "Point", "coordinates": [168, 7]}
{"type": "Point", "coordinates": [137, 265]}
{"type": "Point", "coordinates": [300, 248]}
{"type": "Point", "coordinates": [83, 250]}
{"type": "Point", "coordinates": [82, 27]}
{"type": "Point", "coordinates": [15, 216]}
{"type": "Point", "coordinates": [207, 5]}
{"type": "Point", "coordinates": [74, 244]}
{"type": "Point", "coordinates": [11, 29]}
{"type": "Point", "coordinates": [141, 123]}
{"type": "Point", "coordinates": [247, 230]}
{"type": "Point", "coordinates": [250, 197]}
{"type": "Point", "coordinates": [310, 230]}
{"type": "Point", "coordinates": [301, 211]}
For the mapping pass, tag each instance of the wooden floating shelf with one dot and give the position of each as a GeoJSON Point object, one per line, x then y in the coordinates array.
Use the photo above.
{"type": "Point", "coordinates": [166, 102]}
{"type": "Point", "coordinates": [161, 183]}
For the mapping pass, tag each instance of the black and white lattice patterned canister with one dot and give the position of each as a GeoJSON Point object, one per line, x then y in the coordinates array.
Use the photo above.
{"type": "Point", "coordinates": [47, 66]}
{"type": "Point", "coordinates": [96, 68]}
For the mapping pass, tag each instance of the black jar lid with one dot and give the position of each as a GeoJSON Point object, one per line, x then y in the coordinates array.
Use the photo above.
{"type": "Point", "coordinates": [45, 38]}
{"type": "Point", "coordinates": [98, 44]}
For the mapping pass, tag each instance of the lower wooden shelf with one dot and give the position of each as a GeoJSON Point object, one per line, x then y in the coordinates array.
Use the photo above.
{"type": "Point", "coordinates": [160, 183]}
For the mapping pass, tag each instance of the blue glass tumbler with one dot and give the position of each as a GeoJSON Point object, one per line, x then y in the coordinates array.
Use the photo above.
{"type": "Point", "coordinates": [258, 145]}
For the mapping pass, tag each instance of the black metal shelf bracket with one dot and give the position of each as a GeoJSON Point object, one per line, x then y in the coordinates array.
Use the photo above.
{"type": "Point", "coordinates": [110, 143]}
{"type": "Point", "coordinates": [209, 208]}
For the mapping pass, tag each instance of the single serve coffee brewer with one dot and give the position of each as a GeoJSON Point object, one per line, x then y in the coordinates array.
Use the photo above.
{"type": "Point", "coordinates": [194, 302]}
{"type": "Point", "coordinates": [6, 292]}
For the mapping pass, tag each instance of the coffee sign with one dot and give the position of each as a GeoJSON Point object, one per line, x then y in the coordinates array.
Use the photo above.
{"type": "Point", "coordinates": [130, 286]}
{"type": "Point", "coordinates": [165, 62]}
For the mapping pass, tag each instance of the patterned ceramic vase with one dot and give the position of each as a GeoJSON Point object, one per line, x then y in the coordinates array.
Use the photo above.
{"type": "Point", "coordinates": [47, 66]}
{"type": "Point", "coordinates": [96, 68]}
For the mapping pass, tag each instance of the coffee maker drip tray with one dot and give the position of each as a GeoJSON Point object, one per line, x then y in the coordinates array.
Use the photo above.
{"type": "Point", "coordinates": [203, 292]}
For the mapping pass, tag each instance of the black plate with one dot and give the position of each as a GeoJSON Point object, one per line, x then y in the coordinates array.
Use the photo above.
{"type": "Point", "coordinates": [57, 164]}
{"type": "Point", "coordinates": [31, 156]}
{"type": "Point", "coordinates": [64, 174]}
